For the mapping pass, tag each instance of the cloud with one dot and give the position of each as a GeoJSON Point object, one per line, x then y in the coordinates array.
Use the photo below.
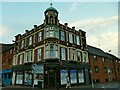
{"type": "Point", "coordinates": [74, 7]}
{"type": "Point", "coordinates": [101, 32]}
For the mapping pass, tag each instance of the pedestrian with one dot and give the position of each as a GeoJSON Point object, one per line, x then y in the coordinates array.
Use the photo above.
{"type": "Point", "coordinates": [68, 85]}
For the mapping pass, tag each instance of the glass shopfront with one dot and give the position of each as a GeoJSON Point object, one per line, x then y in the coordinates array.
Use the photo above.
{"type": "Point", "coordinates": [19, 78]}
{"type": "Point", "coordinates": [28, 78]}
{"type": "Point", "coordinates": [81, 76]}
{"type": "Point", "coordinates": [73, 76]}
{"type": "Point", "coordinates": [63, 74]}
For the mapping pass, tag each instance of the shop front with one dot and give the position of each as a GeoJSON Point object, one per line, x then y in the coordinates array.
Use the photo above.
{"type": "Point", "coordinates": [51, 74]}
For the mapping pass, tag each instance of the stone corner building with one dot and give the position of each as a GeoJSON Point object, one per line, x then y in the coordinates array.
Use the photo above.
{"type": "Point", "coordinates": [49, 52]}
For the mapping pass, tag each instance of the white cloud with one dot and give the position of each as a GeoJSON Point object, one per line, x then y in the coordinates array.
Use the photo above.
{"type": "Point", "coordinates": [100, 31]}
{"type": "Point", "coordinates": [74, 7]}
{"type": "Point", "coordinates": [3, 31]}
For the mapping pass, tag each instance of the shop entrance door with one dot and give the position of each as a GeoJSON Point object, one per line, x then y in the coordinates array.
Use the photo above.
{"type": "Point", "coordinates": [52, 78]}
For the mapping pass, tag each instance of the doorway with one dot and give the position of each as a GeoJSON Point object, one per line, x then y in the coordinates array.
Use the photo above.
{"type": "Point", "coordinates": [52, 78]}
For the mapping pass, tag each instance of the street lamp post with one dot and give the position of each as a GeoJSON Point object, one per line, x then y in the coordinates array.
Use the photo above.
{"type": "Point", "coordinates": [92, 78]}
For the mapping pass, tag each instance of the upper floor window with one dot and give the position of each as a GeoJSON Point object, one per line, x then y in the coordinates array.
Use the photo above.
{"type": "Point", "coordinates": [27, 56]}
{"type": "Point", "coordinates": [85, 57]}
{"type": "Point", "coordinates": [51, 51]}
{"type": "Point", "coordinates": [70, 38]}
{"type": "Point", "coordinates": [105, 69]}
{"type": "Point", "coordinates": [10, 51]}
{"type": "Point", "coordinates": [73, 54]}
{"type": "Point", "coordinates": [30, 40]}
{"type": "Point", "coordinates": [63, 53]}
{"type": "Point", "coordinates": [21, 58]}
{"type": "Point", "coordinates": [78, 40]}
{"type": "Point", "coordinates": [47, 52]}
{"type": "Point", "coordinates": [51, 31]}
{"type": "Point", "coordinates": [96, 68]}
{"type": "Point", "coordinates": [62, 35]}
{"type": "Point", "coordinates": [56, 51]}
{"type": "Point", "coordinates": [15, 60]}
{"type": "Point", "coordinates": [22, 44]}
{"type": "Point", "coordinates": [31, 55]}
{"type": "Point", "coordinates": [94, 56]}
{"type": "Point", "coordinates": [39, 36]}
{"type": "Point", "coordinates": [103, 59]}
{"type": "Point", "coordinates": [78, 56]}
{"type": "Point", "coordinates": [39, 54]}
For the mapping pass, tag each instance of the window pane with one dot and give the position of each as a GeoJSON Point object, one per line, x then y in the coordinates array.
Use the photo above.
{"type": "Point", "coordinates": [21, 58]}
{"type": "Point", "coordinates": [62, 36]}
{"type": "Point", "coordinates": [78, 56]}
{"type": "Point", "coordinates": [39, 36]}
{"type": "Point", "coordinates": [70, 38]}
{"type": "Point", "coordinates": [78, 40]}
{"type": "Point", "coordinates": [47, 54]}
{"type": "Point", "coordinates": [63, 54]}
{"type": "Point", "coordinates": [39, 54]}
{"type": "Point", "coordinates": [51, 51]}
{"type": "Point", "coordinates": [30, 40]}
{"type": "Point", "coordinates": [51, 33]}
{"type": "Point", "coordinates": [30, 55]}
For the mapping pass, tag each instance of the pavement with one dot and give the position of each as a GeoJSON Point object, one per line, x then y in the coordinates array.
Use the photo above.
{"type": "Point", "coordinates": [98, 86]}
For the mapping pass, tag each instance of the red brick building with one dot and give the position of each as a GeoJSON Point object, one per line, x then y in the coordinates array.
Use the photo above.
{"type": "Point", "coordinates": [104, 66]}
{"type": "Point", "coordinates": [6, 59]}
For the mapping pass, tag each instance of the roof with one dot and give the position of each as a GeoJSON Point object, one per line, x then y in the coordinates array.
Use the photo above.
{"type": "Point", "coordinates": [6, 47]}
{"type": "Point", "coordinates": [98, 52]}
{"type": "Point", "coordinates": [51, 9]}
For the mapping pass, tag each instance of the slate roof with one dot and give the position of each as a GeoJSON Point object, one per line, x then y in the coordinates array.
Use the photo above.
{"type": "Point", "coordinates": [5, 47]}
{"type": "Point", "coordinates": [98, 52]}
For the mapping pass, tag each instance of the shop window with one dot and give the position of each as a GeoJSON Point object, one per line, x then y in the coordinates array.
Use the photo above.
{"type": "Point", "coordinates": [19, 78]}
{"type": "Point", "coordinates": [64, 74]}
{"type": "Point", "coordinates": [81, 76]}
{"type": "Point", "coordinates": [73, 76]}
{"type": "Point", "coordinates": [28, 78]}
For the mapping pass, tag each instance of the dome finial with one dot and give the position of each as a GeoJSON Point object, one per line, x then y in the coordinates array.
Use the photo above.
{"type": "Point", "coordinates": [51, 3]}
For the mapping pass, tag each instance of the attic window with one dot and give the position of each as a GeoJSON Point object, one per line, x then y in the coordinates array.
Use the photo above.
{"type": "Point", "coordinates": [94, 57]}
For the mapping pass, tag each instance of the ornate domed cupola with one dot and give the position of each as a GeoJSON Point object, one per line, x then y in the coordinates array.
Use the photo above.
{"type": "Point", "coordinates": [51, 15]}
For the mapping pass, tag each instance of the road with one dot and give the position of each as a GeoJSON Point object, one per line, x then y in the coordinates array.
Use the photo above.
{"type": "Point", "coordinates": [103, 86]}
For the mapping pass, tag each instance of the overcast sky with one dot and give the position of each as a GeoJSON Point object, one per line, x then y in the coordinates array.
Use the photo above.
{"type": "Point", "coordinates": [98, 19]}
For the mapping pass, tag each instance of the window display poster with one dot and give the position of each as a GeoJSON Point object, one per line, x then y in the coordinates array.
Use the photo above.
{"type": "Point", "coordinates": [81, 76]}
{"type": "Point", "coordinates": [38, 77]}
{"type": "Point", "coordinates": [28, 78]}
{"type": "Point", "coordinates": [73, 76]}
{"type": "Point", "coordinates": [64, 74]}
{"type": "Point", "coordinates": [19, 78]}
